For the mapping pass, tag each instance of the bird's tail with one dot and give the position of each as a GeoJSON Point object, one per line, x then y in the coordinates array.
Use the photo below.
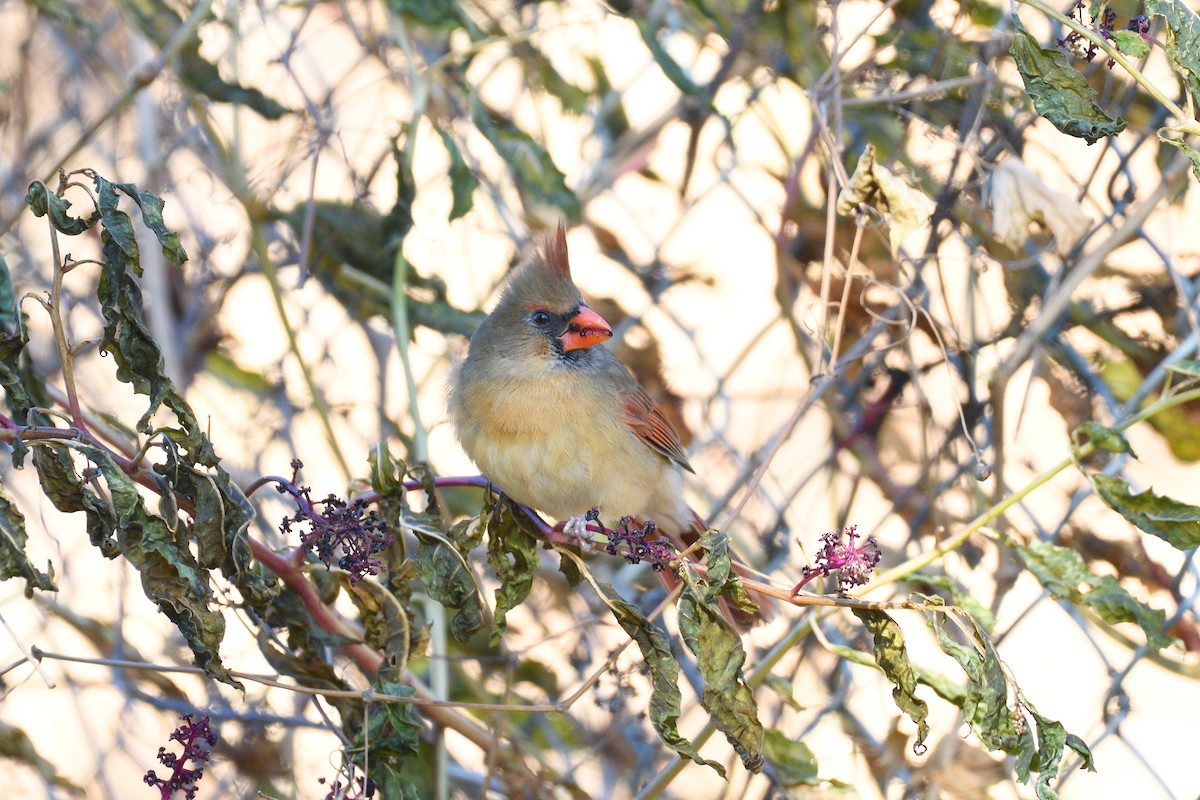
{"type": "Point", "coordinates": [740, 619]}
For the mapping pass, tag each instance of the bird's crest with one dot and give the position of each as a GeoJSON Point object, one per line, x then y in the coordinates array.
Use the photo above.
{"type": "Point", "coordinates": [554, 252]}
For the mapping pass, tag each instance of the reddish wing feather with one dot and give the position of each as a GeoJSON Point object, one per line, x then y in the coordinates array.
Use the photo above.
{"type": "Point", "coordinates": [647, 421]}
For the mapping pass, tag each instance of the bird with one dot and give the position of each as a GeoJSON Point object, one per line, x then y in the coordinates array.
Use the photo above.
{"type": "Point", "coordinates": [556, 421]}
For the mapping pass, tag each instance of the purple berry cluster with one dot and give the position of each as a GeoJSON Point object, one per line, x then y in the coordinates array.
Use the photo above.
{"type": "Point", "coordinates": [639, 543]}
{"type": "Point", "coordinates": [852, 562]}
{"type": "Point", "coordinates": [197, 738]}
{"type": "Point", "coordinates": [337, 532]}
{"type": "Point", "coordinates": [1080, 47]}
{"type": "Point", "coordinates": [360, 789]}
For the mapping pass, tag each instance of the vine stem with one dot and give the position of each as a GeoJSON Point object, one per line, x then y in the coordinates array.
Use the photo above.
{"type": "Point", "coordinates": [66, 359]}
{"type": "Point", "coordinates": [903, 570]}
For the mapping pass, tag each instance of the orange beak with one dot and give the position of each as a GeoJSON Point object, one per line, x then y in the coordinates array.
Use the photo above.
{"type": "Point", "coordinates": [585, 329]}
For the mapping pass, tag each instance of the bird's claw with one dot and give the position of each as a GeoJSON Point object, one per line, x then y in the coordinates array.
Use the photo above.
{"type": "Point", "coordinates": [577, 526]}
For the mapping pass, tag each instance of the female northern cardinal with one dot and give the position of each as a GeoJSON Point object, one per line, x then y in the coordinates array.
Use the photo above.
{"type": "Point", "coordinates": [560, 424]}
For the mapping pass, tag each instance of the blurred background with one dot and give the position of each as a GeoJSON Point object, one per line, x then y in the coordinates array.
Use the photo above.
{"type": "Point", "coordinates": [328, 164]}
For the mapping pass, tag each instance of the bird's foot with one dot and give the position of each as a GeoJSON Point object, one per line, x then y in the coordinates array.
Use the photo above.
{"type": "Point", "coordinates": [577, 526]}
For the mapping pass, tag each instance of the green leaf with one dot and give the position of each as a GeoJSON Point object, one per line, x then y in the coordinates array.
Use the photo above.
{"type": "Point", "coordinates": [943, 686]}
{"type": "Point", "coordinates": [1186, 366]}
{"type": "Point", "coordinates": [463, 182]}
{"type": "Point", "coordinates": [159, 23]}
{"type": "Point", "coordinates": [1183, 40]}
{"type": "Point", "coordinates": [392, 727]}
{"type": "Point", "coordinates": [892, 658]}
{"type": "Point", "coordinates": [69, 494]}
{"type": "Point", "coordinates": [720, 657]}
{"type": "Point", "coordinates": [117, 224]}
{"type": "Point", "coordinates": [399, 221]}
{"type": "Point", "coordinates": [723, 581]}
{"type": "Point", "coordinates": [612, 122]}
{"type": "Point", "coordinates": [16, 745]}
{"type": "Point", "coordinates": [1052, 737]}
{"type": "Point", "coordinates": [1106, 439]}
{"type": "Point", "coordinates": [533, 171]}
{"type": "Point", "coordinates": [1131, 44]}
{"type": "Point", "coordinates": [984, 704]}
{"type": "Point", "coordinates": [9, 316]}
{"type": "Point", "coordinates": [127, 338]}
{"type": "Point", "coordinates": [1114, 604]}
{"type": "Point", "coordinates": [441, 555]}
{"type": "Point", "coordinates": [220, 366]}
{"type": "Point", "coordinates": [1065, 575]}
{"type": "Point", "coordinates": [44, 202]}
{"type": "Point", "coordinates": [1059, 92]}
{"type": "Point", "coordinates": [220, 518]}
{"type": "Point", "coordinates": [448, 580]}
{"type": "Point", "coordinates": [665, 699]}
{"type": "Point", "coordinates": [1061, 570]}
{"type": "Point", "coordinates": [669, 66]}
{"type": "Point", "coordinates": [964, 600]}
{"type": "Point", "coordinates": [438, 15]}
{"type": "Point", "coordinates": [387, 479]}
{"type": "Point", "coordinates": [170, 574]}
{"type": "Point", "coordinates": [568, 566]}
{"type": "Point", "coordinates": [792, 762]}
{"type": "Point", "coordinates": [785, 689]}
{"type": "Point", "coordinates": [389, 743]}
{"type": "Point", "coordinates": [13, 561]}
{"type": "Point", "coordinates": [1192, 153]}
{"type": "Point", "coordinates": [512, 553]}
{"type": "Point", "coordinates": [1170, 520]}
{"type": "Point", "coordinates": [24, 387]}
{"type": "Point", "coordinates": [536, 673]}
{"type": "Point", "coordinates": [151, 207]}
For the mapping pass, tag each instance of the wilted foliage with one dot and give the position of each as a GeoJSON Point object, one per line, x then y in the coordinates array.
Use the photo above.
{"type": "Point", "coordinates": [910, 330]}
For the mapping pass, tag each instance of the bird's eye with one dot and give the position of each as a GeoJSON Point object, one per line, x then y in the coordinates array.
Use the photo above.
{"type": "Point", "coordinates": [540, 318]}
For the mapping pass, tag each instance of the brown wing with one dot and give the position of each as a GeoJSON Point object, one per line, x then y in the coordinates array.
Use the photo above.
{"type": "Point", "coordinates": [650, 424]}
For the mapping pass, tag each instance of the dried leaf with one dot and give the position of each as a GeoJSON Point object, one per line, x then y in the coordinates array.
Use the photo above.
{"type": "Point", "coordinates": [1192, 153]}
{"type": "Point", "coordinates": [1020, 197]}
{"type": "Point", "coordinates": [42, 202]}
{"type": "Point", "coordinates": [9, 316]}
{"type": "Point", "coordinates": [151, 207]}
{"type": "Point", "coordinates": [892, 658]}
{"type": "Point", "coordinates": [170, 574]}
{"type": "Point", "coordinates": [13, 561]}
{"type": "Point", "coordinates": [665, 699]}
{"type": "Point", "coordinates": [512, 553]}
{"type": "Point", "coordinates": [1045, 760]}
{"type": "Point", "coordinates": [720, 657]}
{"type": "Point", "coordinates": [388, 746]}
{"type": "Point", "coordinates": [723, 581]}
{"type": "Point", "coordinates": [905, 207]}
